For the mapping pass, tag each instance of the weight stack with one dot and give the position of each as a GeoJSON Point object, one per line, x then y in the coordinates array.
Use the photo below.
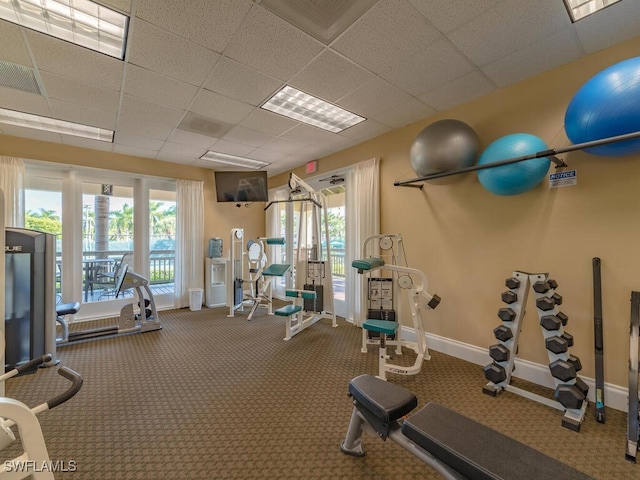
{"type": "Point", "coordinates": [314, 304]}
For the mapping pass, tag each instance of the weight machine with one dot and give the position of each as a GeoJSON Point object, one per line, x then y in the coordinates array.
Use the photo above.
{"type": "Point", "coordinates": [377, 298]}
{"type": "Point", "coordinates": [312, 259]}
{"type": "Point", "coordinates": [414, 283]}
{"type": "Point", "coordinates": [261, 275]}
{"type": "Point", "coordinates": [129, 321]}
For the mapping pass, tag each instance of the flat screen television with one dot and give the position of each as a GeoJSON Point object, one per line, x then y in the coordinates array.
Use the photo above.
{"type": "Point", "coordinates": [241, 186]}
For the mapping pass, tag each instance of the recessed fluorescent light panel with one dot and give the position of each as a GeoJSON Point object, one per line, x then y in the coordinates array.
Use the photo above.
{"type": "Point", "coordinates": [82, 22]}
{"type": "Point", "coordinates": [579, 9]}
{"type": "Point", "coordinates": [233, 160]}
{"type": "Point", "coordinates": [301, 106]}
{"type": "Point", "coordinates": [21, 119]}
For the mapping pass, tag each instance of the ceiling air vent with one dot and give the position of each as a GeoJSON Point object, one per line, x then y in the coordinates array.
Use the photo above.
{"type": "Point", "coordinates": [18, 77]}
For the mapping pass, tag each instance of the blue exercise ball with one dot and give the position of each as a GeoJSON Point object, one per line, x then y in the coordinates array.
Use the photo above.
{"type": "Point", "coordinates": [514, 178]}
{"type": "Point", "coordinates": [444, 146]}
{"type": "Point", "coordinates": [607, 106]}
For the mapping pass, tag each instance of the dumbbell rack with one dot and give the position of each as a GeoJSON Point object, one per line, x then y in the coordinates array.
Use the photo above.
{"type": "Point", "coordinates": [633, 430]}
{"type": "Point", "coordinates": [571, 391]}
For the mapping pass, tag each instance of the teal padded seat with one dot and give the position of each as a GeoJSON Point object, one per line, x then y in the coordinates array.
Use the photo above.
{"type": "Point", "coordinates": [380, 326]}
{"type": "Point", "coordinates": [367, 263]}
{"type": "Point", "coordinates": [288, 310]}
{"type": "Point", "coordinates": [275, 241]}
{"type": "Point", "coordinates": [276, 270]}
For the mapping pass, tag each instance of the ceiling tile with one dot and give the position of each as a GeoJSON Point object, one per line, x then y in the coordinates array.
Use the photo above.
{"type": "Point", "coordinates": [69, 90]}
{"type": "Point", "coordinates": [373, 41]}
{"type": "Point", "coordinates": [268, 122]}
{"type": "Point", "coordinates": [271, 45]}
{"type": "Point", "coordinates": [235, 80]}
{"type": "Point", "coordinates": [330, 77]}
{"type": "Point", "coordinates": [218, 107]}
{"type": "Point", "coordinates": [174, 158]}
{"type": "Point", "coordinates": [133, 125]}
{"type": "Point", "coordinates": [231, 148]}
{"type": "Point", "coordinates": [404, 114]}
{"type": "Point", "coordinates": [246, 136]}
{"type": "Point", "coordinates": [13, 47]}
{"type": "Point", "coordinates": [192, 139]}
{"type": "Point", "coordinates": [130, 140]}
{"type": "Point", "coordinates": [439, 63]}
{"type": "Point", "coordinates": [308, 135]}
{"type": "Point", "coordinates": [373, 98]}
{"type": "Point", "coordinates": [152, 112]}
{"type": "Point", "coordinates": [614, 24]}
{"type": "Point", "coordinates": [447, 16]}
{"type": "Point", "coordinates": [69, 60]}
{"type": "Point", "coordinates": [458, 91]}
{"type": "Point", "coordinates": [24, 102]}
{"type": "Point", "coordinates": [72, 112]}
{"type": "Point", "coordinates": [162, 52]}
{"type": "Point", "coordinates": [283, 146]}
{"type": "Point", "coordinates": [135, 151]}
{"type": "Point", "coordinates": [509, 27]}
{"type": "Point", "coordinates": [365, 130]}
{"type": "Point", "coordinates": [123, 6]}
{"type": "Point", "coordinates": [157, 88]}
{"type": "Point", "coordinates": [265, 155]}
{"type": "Point", "coordinates": [182, 150]}
{"type": "Point", "coordinates": [550, 52]}
{"type": "Point", "coordinates": [210, 23]}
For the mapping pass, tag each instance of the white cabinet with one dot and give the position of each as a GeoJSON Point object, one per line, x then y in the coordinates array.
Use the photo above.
{"type": "Point", "coordinates": [215, 282]}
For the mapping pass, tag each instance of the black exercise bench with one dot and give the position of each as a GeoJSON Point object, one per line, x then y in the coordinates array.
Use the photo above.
{"type": "Point", "coordinates": [455, 446]}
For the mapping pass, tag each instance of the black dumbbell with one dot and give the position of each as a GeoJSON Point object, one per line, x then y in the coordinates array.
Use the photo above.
{"type": "Point", "coordinates": [512, 283]}
{"type": "Point", "coordinates": [495, 373]}
{"type": "Point", "coordinates": [509, 297]}
{"type": "Point", "coordinates": [562, 370]}
{"type": "Point", "coordinates": [556, 344]}
{"type": "Point", "coordinates": [499, 352]}
{"type": "Point", "coordinates": [502, 333]}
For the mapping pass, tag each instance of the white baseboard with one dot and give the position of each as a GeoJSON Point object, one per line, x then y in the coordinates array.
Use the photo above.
{"type": "Point", "coordinates": [616, 396]}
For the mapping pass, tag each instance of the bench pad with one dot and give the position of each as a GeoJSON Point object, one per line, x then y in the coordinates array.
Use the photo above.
{"type": "Point", "coordinates": [386, 401]}
{"type": "Point", "coordinates": [381, 326]}
{"type": "Point", "coordinates": [276, 270]}
{"type": "Point", "coordinates": [367, 263]}
{"type": "Point", "coordinates": [287, 310]}
{"type": "Point", "coordinates": [477, 451]}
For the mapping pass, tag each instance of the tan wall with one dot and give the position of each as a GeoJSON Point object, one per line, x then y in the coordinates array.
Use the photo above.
{"type": "Point", "coordinates": [468, 241]}
{"type": "Point", "coordinates": [219, 218]}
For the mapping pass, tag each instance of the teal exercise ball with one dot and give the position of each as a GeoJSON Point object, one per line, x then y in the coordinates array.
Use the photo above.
{"type": "Point", "coordinates": [607, 106]}
{"type": "Point", "coordinates": [514, 178]}
{"type": "Point", "coordinates": [444, 146]}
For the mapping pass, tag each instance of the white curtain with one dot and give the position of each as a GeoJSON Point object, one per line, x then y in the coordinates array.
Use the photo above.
{"type": "Point", "coordinates": [12, 184]}
{"type": "Point", "coordinates": [189, 268]}
{"type": "Point", "coordinates": [363, 220]}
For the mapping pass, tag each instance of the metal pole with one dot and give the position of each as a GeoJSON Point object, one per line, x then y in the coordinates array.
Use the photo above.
{"type": "Point", "coordinates": [509, 161]}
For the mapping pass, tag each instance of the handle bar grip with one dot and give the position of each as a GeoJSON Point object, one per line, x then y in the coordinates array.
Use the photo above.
{"type": "Point", "coordinates": [35, 362]}
{"type": "Point", "coordinates": [76, 384]}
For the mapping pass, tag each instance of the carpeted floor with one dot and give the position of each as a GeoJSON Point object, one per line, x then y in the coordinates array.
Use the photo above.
{"type": "Point", "coordinates": [211, 397]}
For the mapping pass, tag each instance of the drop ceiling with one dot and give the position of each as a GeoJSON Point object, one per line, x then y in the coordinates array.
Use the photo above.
{"type": "Point", "coordinates": [196, 71]}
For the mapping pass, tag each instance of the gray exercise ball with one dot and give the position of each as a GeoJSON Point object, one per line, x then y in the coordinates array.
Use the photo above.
{"type": "Point", "coordinates": [444, 146]}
